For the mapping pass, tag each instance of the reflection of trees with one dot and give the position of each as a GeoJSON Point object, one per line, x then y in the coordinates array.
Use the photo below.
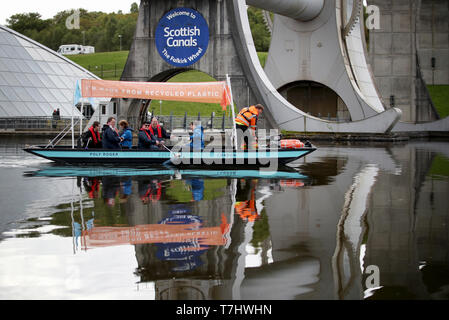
{"type": "Point", "coordinates": [323, 172]}
{"type": "Point", "coordinates": [440, 168]}
{"type": "Point", "coordinates": [261, 230]}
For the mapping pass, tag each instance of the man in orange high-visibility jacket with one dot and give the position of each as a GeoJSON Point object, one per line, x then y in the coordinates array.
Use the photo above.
{"type": "Point", "coordinates": [247, 119]}
{"type": "Point", "coordinates": [247, 209]}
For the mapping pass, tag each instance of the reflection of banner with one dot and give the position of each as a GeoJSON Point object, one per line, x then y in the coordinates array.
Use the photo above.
{"type": "Point", "coordinates": [155, 233]}
{"type": "Point", "coordinates": [209, 92]}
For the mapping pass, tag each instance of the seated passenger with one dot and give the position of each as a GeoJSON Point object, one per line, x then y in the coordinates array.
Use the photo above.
{"type": "Point", "coordinates": [146, 139]}
{"type": "Point", "coordinates": [111, 139]}
{"type": "Point", "coordinates": [197, 138]}
{"type": "Point", "coordinates": [91, 138]}
{"type": "Point", "coordinates": [126, 134]}
{"type": "Point", "coordinates": [158, 132]}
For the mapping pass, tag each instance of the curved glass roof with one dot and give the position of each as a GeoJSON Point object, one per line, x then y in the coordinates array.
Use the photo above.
{"type": "Point", "coordinates": [35, 80]}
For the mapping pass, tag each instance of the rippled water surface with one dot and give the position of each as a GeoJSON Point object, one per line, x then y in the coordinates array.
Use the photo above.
{"type": "Point", "coordinates": [357, 221]}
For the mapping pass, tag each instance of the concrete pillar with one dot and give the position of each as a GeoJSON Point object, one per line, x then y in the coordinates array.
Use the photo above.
{"type": "Point", "coordinates": [401, 68]}
{"type": "Point", "coordinates": [221, 57]}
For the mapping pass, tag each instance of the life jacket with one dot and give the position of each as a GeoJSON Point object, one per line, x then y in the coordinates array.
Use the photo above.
{"type": "Point", "coordinates": [224, 226]}
{"type": "Point", "coordinates": [95, 135]}
{"type": "Point", "coordinates": [254, 145]}
{"type": "Point", "coordinates": [159, 131]}
{"type": "Point", "coordinates": [153, 197]}
{"type": "Point", "coordinates": [247, 210]}
{"type": "Point", "coordinates": [148, 135]}
{"type": "Point", "coordinates": [94, 189]}
{"type": "Point", "coordinates": [248, 117]}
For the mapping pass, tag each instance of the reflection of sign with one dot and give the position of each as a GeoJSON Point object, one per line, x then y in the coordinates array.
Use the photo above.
{"type": "Point", "coordinates": [182, 37]}
{"type": "Point", "coordinates": [186, 253]}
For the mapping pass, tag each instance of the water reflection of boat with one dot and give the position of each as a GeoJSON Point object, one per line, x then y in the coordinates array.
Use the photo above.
{"type": "Point", "coordinates": [68, 171]}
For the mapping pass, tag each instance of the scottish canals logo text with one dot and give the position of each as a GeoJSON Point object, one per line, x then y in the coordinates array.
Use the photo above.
{"type": "Point", "coordinates": [182, 37]}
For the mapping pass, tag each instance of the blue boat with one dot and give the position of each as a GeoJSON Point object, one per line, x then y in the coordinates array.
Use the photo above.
{"type": "Point", "coordinates": [131, 157]}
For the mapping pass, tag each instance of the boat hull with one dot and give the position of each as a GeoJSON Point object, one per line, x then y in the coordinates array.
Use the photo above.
{"type": "Point", "coordinates": [144, 157]}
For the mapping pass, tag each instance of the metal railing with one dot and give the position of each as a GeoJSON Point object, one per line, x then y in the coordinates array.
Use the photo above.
{"type": "Point", "coordinates": [172, 122]}
{"type": "Point", "coordinates": [36, 123]}
{"type": "Point", "coordinates": [106, 71]}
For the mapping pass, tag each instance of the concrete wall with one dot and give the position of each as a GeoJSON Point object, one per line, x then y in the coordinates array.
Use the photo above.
{"type": "Point", "coordinates": [433, 40]}
{"type": "Point", "coordinates": [392, 55]}
{"type": "Point", "coordinates": [409, 30]}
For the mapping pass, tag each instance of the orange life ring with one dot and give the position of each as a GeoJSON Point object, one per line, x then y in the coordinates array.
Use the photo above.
{"type": "Point", "coordinates": [291, 144]}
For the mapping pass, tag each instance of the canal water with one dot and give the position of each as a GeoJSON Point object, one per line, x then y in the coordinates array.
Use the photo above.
{"type": "Point", "coordinates": [350, 221]}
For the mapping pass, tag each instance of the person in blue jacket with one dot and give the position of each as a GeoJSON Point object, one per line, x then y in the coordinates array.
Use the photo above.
{"type": "Point", "coordinates": [197, 138]}
{"type": "Point", "coordinates": [126, 134]}
{"type": "Point", "coordinates": [197, 188]}
{"type": "Point", "coordinates": [110, 136]}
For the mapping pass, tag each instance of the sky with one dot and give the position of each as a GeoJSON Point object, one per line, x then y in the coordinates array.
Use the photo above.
{"type": "Point", "coordinates": [48, 8]}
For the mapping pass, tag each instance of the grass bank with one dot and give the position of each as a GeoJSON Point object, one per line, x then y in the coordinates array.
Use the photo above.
{"type": "Point", "coordinates": [106, 65]}
{"type": "Point", "coordinates": [110, 65]}
{"type": "Point", "coordinates": [440, 98]}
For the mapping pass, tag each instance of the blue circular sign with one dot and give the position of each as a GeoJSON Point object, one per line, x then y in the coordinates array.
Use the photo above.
{"type": "Point", "coordinates": [182, 37]}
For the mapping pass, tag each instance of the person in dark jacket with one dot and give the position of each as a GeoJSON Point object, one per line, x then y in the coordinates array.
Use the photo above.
{"type": "Point", "coordinates": [146, 139]}
{"type": "Point", "coordinates": [158, 131]}
{"type": "Point", "coordinates": [127, 134]}
{"type": "Point", "coordinates": [111, 139]}
{"type": "Point", "coordinates": [91, 138]}
{"type": "Point", "coordinates": [55, 119]}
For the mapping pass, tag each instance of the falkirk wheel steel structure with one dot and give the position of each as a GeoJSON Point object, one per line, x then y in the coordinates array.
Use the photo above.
{"type": "Point", "coordinates": [317, 50]}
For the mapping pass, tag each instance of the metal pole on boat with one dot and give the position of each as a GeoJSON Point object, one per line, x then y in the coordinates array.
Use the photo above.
{"type": "Point", "coordinates": [73, 130]}
{"type": "Point", "coordinates": [234, 130]}
{"type": "Point", "coordinates": [81, 117]}
{"type": "Point", "coordinates": [76, 97]}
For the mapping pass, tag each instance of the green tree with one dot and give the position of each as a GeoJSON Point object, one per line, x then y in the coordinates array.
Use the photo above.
{"type": "Point", "coordinates": [134, 8]}
{"type": "Point", "coordinates": [259, 30]}
{"type": "Point", "coordinates": [101, 30]}
{"type": "Point", "coordinates": [24, 23]}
